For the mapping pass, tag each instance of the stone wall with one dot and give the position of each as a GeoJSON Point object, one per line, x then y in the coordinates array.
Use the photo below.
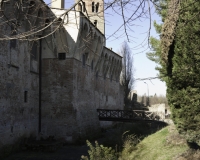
{"type": "Point", "coordinates": [159, 109]}
{"type": "Point", "coordinates": [19, 93]}
{"type": "Point", "coordinates": [71, 94]}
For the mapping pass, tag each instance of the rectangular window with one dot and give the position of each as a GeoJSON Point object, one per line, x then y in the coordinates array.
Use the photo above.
{"type": "Point", "coordinates": [61, 56]}
{"type": "Point", "coordinates": [92, 65]}
{"type": "Point", "coordinates": [25, 96]}
{"type": "Point", "coordinates": [83, 58]}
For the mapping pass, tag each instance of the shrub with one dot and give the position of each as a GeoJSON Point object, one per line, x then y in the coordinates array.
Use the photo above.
{"type": "Point", "coordinates": [99, 152]}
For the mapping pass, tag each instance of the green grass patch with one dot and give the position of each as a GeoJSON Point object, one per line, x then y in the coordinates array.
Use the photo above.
{"type": "Point", "coordinates": [158, 146]}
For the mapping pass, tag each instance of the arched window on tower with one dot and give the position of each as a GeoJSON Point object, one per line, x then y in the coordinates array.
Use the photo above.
{"type": "Point", "coordinates": [80, 7]}
{"type": "Point", "coordinates": [92, 6]}
{"type": "Point", "coordinates": [97, 7]}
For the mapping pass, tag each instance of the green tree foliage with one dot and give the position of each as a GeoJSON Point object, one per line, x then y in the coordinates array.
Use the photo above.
{"type": "Point", "coordinates": [183, 69]}
{"type": "Point", "coordinates": [155, 53]}
{"type": "Point", "coordinates": [180, 62]}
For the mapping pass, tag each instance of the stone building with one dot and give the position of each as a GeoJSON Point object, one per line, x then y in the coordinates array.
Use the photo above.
{"type": "Point", "coordinates": [55, 71]}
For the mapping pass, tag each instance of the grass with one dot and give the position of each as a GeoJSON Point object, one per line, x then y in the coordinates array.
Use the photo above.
{"type": "Point", "coordinates": [156, 144]}
{"type": "Point", "coordinates": [115, 136]}
{"type": "Point", "coordinates": [162, 145]}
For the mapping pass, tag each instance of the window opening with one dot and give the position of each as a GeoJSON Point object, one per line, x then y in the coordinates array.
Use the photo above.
{"type": "Point", "coordinates": [92, 65]}
{"type": "Point", "coordinates": [97, 7]}
{"type": "Point", "coordinates": [31, 4]}
{"type": "Point", "coordinates": [92, 6]}
{"type": "Point", "coordinates": [95, 23]}
{"type": "Point", "coordinates": [61, 56]}
{"type": "Point", "coordinates": [83, 59]}
{"type": "Point", "coordinates": [83, 6]}
{"type": "Point", "coordinates": [25, 96]}
{"type": "Point", "coordinates": [47, 21]}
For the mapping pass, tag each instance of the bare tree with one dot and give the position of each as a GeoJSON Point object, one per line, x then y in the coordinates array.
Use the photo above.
{"type": "Point", "coordinates": [127, 10]}
{"type": "Point", "coordinates": [126, 78]}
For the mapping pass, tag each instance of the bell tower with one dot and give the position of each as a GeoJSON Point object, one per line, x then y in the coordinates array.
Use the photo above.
{"type": "Point", "coordinates": [95, 11]}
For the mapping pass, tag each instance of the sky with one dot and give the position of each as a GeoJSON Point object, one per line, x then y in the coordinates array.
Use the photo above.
{"type": "Point", "coordinates": [137, 37]}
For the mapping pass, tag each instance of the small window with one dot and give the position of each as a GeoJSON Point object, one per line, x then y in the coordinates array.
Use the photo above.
{"type": "Point", "coordinates": [92, 65]}
{"type": "Point", "coordinates": [95, 23]}
{"type": "Point", "coordinates": [61, 56]}
{"type": "Point", "coordinates": [92, 6]}
{"type": "Point", "coordinates": [83, 6]}
{"type": "Point", "coordinates": [106, 98]}
{"type": "Point", "coordinates": [25, 96]}
{"type": "Point", "coordinates": [11, 129]}
{"type": "Point", "coordinates": [83, 59]}
{"type": "Point", "coordinates": [97, 7]}
{"type": "Point", "coordinates": [47, 21]}
{"type": "Point", "coordinates": [31, 4]}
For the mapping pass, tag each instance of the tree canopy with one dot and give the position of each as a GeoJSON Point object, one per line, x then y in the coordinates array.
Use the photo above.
{"type": "Point", "coordinates": [178, 54]}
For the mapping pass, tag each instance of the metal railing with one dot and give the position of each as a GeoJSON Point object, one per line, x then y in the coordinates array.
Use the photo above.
{"type": "Point", "coordinates": [127, 115]}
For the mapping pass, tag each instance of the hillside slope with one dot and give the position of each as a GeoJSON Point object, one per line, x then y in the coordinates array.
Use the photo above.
{"type": "Point", "coordinates": [165, 144]}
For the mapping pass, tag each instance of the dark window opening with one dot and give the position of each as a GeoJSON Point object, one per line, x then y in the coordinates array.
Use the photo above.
{"type": "Point", "coordinates": [92, 6]}
{"type": "Point", "coordinates": [61, 56]}
{"type": "Point", "coordinates": [95, 23]}
{"type": "Point", "coordinates": [83, 6]}
{"type": "Point", "coordinates": [31, 4]}
{"type": "Point", "coordinates": [106, 98]}
{"type": "Point", "coordinates": [83, 58]}
{"type": "Point", "coordinates": [111, 78]}
{"type": "Point", "coordinates": [92, 65]}
{"type": "Point", "coordinates": [97, 7]}
{"type": "Point", "coordinates": [59, 21]}
{"type": "Point", "coordinates": [25, 96]}
{"type": "Point", "coordinates": [47, 21]}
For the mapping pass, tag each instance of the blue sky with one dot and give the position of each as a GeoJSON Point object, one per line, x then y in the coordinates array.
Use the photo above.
{"type": "Point", "coordinates": [138, 33]}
